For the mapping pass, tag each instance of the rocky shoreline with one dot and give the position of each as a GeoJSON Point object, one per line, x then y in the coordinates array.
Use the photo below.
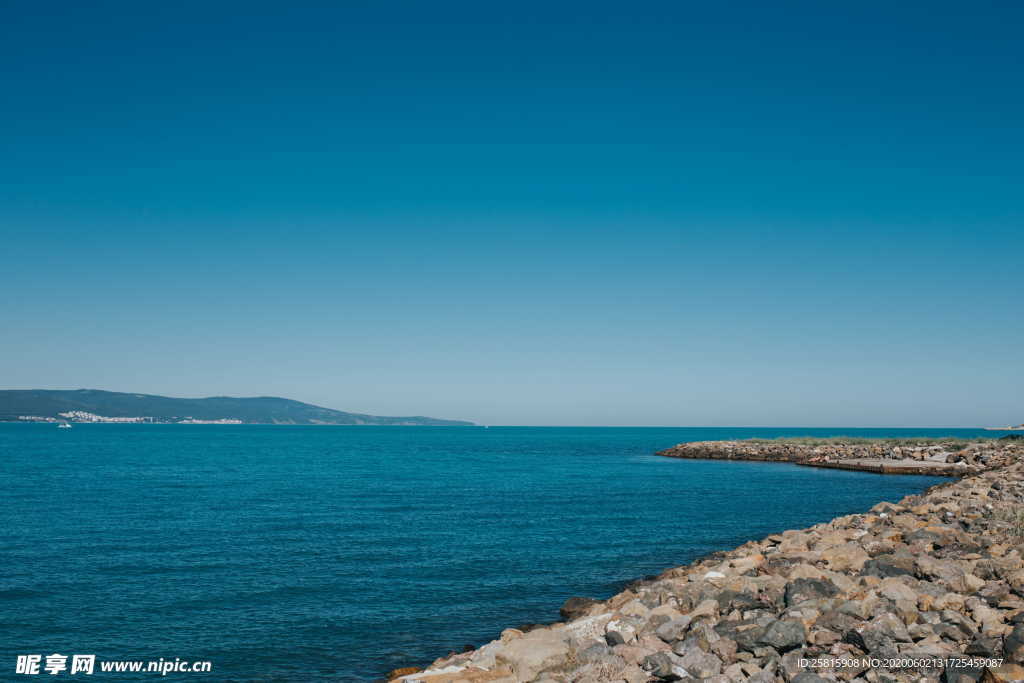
{"type": "Point", "coordinates": [931, 588]}
{"type": "Point", "coordinates": [887, 456]}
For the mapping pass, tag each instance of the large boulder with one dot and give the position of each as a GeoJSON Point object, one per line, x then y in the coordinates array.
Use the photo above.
{"type": "Point", "coordinates": [896, 590]}
{"type": "Point", "coordinates": [849, 557]}
{"type": "Point", "coordinates": [1013, 645]}
{"type": "Point", "coordinates": [674, 629]}
{"type": "Point", "coordinates": [882, 633]}
{"type": "Point", "coordinates": [784, 635]}
{"type": "Point", "coordinates": [700, 664]}
{"type": "Point", "coordinates": [534, 652]}
{"type": "Point", "coordinates": [949, 572]}
{"type": "Point", "coordinates": [598, 663]}
{"type": "Point", "coordinates": [802, 590]}
{"type": "Point", "coordinates": [576, 607]}
{"type": "Point", "coordinates": [888, 565]}
{"type": "Point", "coordinates": [838, 621]}
{"type": "Point", "coordinates": [664, 666]}
{"type": "Point", "coordinates": [746, 634]}
{"type": "Point", "coordinates": [984, 646]}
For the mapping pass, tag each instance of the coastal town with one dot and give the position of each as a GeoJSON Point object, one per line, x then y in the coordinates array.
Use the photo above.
{"type": "Point", "coordinates": [83, 416]}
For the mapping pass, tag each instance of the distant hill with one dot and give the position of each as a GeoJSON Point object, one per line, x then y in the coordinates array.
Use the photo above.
{"type": "Point", "coordinates": [15, 403]}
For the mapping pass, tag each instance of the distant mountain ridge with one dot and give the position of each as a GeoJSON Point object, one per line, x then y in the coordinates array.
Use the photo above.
{"type": "Point", "coordinates": [46, 403]}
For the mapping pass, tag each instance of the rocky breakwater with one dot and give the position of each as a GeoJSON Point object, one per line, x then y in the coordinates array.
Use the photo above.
{"type": "Point", "coordinates": [887, 456]}
{"type": "Point", "coordinates": [931, 588]}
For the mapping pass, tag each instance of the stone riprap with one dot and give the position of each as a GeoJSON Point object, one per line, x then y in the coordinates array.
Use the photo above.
{"type": "Point", "coordinates": [931, 588]}
{"type": "Point", "coordinates": [952, 458]}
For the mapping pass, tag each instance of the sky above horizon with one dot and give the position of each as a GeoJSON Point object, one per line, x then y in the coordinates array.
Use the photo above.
{"type": "Point", "coordinates": [568, 213]}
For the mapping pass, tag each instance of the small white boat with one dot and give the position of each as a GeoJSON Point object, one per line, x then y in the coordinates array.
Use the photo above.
{"type": "Point", "coordinates": [64, 425]}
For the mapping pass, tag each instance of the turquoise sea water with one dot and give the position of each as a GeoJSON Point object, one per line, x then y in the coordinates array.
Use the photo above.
{"type": "Point", "coordinates": [338, 553]}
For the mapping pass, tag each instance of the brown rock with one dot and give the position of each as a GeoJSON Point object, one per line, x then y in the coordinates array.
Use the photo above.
{"type": "Point", "coordinates": [403, 671]}
{"type": "Point", "coordinates": [849, 557]}
{"type": "Point", "coordinates": [1007, 673]}
{"type": "Point", "coordinates": [574, 608]}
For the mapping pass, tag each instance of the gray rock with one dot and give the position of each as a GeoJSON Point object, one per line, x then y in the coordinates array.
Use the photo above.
{"type": "Point", "coordinates": [620, 631]}
{"type": "Point", "coordinates": [663, 665]}
{"type": "Point", "coordinates": [921, 631]}
{"type": "Point", "coordinates": [884, 569]}
{"type": "Point", "coordinates": [746, 634]}
{"type": "Point", "coordinates": [790, 664]}
{"type": "Point", "coordinates": [808, 677]}
{"type": "Point", "coordinates": [930, 568]}
{"type": "Point", "coordinates": [700, 664]}
{"type": "Point", "coordinates": [890, 627]}
{"type": "Point", "coordinates": [959, 621]}
{"type": "Point", "coordinates": [724, 649]}
{"type": "Point", "coordinates": [984, 647]}
{"type": "Point", "coordinates": [877, 642]}
{"type": "Point", "coordinates": [614, 638]}
{"type": "Point", "coordinates": [994, 592]}
{"type": "Point", "coordinates": [923, 536]}
{"type": "Point", "coordinates": [729, 600]}
{"type": "Point", "coordinates": [1013, 646]}
{"type": "Point", "coordinates": [955, 674]}
{"type": "Point", "coordinates": [838, 621]}
{"type": "Point", "coordinates": [950, 632]}
{"type": "Point", "coordinates": [854, 637]}
{"type": "Point", "coordinates": [701, 635]}
{"type": "Point", "coordinates": [784, 635]}
{"type": "Point", "coordinates": [654, 622]}
{"type": "Point", "coordinates": [673, 630]}
{"type": "Point", "coordinates": [595, 653]}
{"type": "Point", "coordinates": [599, 663]}
{"type": "Point", "coordinates": [802, 590]}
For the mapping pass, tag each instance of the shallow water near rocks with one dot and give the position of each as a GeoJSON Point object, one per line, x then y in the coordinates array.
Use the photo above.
{"type": "Point", "coordinates": [339, 553]}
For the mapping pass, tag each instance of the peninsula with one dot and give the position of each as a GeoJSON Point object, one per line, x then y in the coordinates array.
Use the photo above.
{"type": "Point", "coordinates": [934, 456]}
{"type": "Point", "coordinates": [93, 405]}
{"type": "Point", "coordinates": [930, 588]}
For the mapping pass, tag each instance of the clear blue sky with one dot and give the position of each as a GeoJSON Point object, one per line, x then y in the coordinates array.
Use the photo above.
{"type": "Point", "coordinates": [666, 213]}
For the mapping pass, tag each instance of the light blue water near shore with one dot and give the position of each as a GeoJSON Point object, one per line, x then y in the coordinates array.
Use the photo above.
{"type": "Point", "coordinates": [338, 553]}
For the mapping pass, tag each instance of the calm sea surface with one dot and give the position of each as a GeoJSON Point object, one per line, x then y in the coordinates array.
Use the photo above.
{"type": "Point", "coordinates": [338, 553]}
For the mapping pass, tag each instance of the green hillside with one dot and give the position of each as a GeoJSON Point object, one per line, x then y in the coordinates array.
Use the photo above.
{"type": "Point", "coordinates": [258, 410]}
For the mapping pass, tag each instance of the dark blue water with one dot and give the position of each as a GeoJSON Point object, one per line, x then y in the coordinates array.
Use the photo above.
{"type": "Point", "coordinates": [338, 553]}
